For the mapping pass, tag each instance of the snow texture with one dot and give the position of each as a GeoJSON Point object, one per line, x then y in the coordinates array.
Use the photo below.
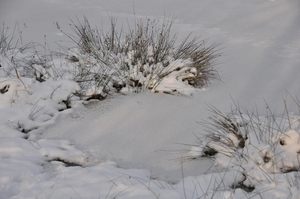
{"type": "Point", "coordinates": [53, 145]}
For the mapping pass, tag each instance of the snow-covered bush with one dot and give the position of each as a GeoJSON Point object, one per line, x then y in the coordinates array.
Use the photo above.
{"type": "Point", "coordinates": [143, 58]}
{"type": "Point", "coordinates": [262, 153]}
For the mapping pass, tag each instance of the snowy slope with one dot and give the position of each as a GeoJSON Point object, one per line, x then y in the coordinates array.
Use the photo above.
{"type": "Point", "coordinates": [260, 61]}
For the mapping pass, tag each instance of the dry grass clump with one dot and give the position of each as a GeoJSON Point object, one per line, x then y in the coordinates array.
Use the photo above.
{"type": "Point", "coordinates": [140, 58]}
{"type": "Point", "coordinates": [256, 148]}
{"type": "Point", "coordinates": [31, 60]}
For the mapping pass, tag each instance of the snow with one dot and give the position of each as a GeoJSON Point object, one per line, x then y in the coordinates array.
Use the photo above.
{"type": "Point", "coordinates": [131, 146]}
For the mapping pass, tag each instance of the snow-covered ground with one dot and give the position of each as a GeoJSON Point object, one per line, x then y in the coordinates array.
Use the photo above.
{"type": "Point", "coordinates": [130, 145]}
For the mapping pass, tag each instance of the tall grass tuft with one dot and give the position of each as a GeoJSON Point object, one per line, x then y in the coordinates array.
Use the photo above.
{"type": "Point", "coordinates": [256, 148]}
{"type": "Point", "coordinates": [140, 58]}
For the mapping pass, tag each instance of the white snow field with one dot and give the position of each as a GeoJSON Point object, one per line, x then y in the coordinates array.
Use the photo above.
{"type": "Point", "coordinates": [132, 145]}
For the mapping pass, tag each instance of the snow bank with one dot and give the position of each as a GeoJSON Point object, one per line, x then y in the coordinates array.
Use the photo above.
{"type": "Point", "coordinates": [260, 166]}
